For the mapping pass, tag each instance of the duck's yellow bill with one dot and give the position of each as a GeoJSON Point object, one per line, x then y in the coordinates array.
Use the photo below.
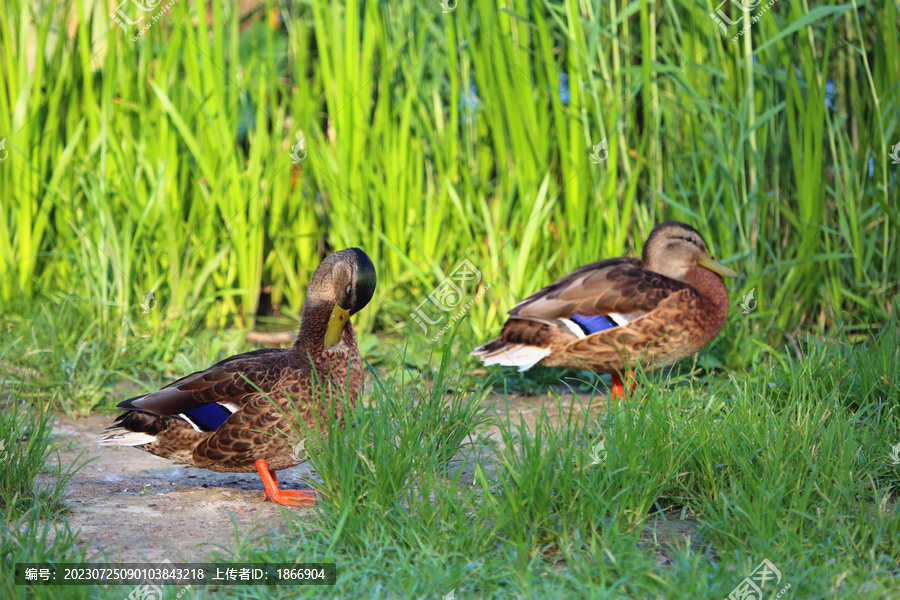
{"type": "Point", "coordinates": [339, 319]}
{"type": "Point", "coordinates": [716, 267]}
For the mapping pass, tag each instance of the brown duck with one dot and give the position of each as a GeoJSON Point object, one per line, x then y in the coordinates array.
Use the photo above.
{"type": "Point", "coordinates": [605, 316]}
{"type": "Point", "coordinates": [217, 419]}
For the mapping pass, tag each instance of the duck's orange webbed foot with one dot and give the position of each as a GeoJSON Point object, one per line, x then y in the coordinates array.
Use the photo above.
{"type": "Point", "coordinates": [285, 497]}
{"type": "Point", "coordinates": [618, 390]}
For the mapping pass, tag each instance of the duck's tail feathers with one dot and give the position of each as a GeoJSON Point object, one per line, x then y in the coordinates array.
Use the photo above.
{"type": "Point", "coordinates": [118, 436]}
{"type": "Point", "coordinates": [497, 352]}
{"type": "Point", "coordinates": [134, 428]}
{"type": "Point", "coordinates": [526, 341]}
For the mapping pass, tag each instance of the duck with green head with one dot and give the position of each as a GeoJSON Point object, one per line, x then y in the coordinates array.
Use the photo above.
{"type": "Point", "coordinates": [607, 315]}
{"type": "Point", "coordinates": [236, 416]}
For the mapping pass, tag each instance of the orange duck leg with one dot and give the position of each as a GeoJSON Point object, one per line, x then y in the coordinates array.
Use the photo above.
{"type": "Point", "coordinates": [285, 497]}
{"type": "Point", "coordinates": [618, 390]}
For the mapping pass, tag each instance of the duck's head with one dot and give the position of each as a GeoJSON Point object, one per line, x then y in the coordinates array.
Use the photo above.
{"type": "Point", "coordinates": [673, 248]}
{"type": "Point", "coordinates": [344, 281]}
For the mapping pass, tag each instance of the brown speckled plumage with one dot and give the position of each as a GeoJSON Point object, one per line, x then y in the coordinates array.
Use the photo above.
{"type": "Point", "coordinates": [667, 304]}
{"type": "Point", "coordinates": [307, 381]}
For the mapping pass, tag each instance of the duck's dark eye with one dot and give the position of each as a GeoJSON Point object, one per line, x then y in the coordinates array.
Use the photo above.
{"type": "Point", "coordinates": [689, 240]}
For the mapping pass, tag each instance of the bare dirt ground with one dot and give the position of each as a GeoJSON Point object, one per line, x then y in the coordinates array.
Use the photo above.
{"type": "Point", "coordinates": [137, 507]}
{"type": "Point", "coordinates": [130, 506]}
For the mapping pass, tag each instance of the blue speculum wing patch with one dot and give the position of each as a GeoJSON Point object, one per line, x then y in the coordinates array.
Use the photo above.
{"type": "Point", "coordinates": [209, 416]}
{"type": "Point", "coordinates": [594, 324]}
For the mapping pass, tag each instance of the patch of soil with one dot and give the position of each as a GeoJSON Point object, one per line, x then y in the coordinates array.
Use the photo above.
{"type": "Point", "coordinates": [133, 507]}
{"type": "Point", "coordinates": [137, 507]}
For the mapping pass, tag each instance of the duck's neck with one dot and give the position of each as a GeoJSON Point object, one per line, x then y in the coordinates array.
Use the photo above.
{"type": "Point", "coordinates": [715, 296]}
{"type": "Point", "coordinates": [313, 323]}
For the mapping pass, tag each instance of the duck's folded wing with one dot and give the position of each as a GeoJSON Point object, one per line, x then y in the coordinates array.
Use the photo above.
{"type": "Point", "coordinates": [598, 296]}
{"type": "Point", "coordinates": [207, 398]}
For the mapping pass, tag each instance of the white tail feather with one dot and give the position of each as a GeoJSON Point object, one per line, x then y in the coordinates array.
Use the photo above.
{"type": "Point", "coordinates": [517, 355]}
{"type": "Point", "coordinates": [123, 437]}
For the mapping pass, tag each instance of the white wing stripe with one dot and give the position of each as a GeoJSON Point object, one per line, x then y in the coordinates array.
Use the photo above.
{"type": "Point", "coordinates": [573, 327]}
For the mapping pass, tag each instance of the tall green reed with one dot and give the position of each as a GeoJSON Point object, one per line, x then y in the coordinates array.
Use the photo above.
{"type": "Point", "coordinates": [163, 164]}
